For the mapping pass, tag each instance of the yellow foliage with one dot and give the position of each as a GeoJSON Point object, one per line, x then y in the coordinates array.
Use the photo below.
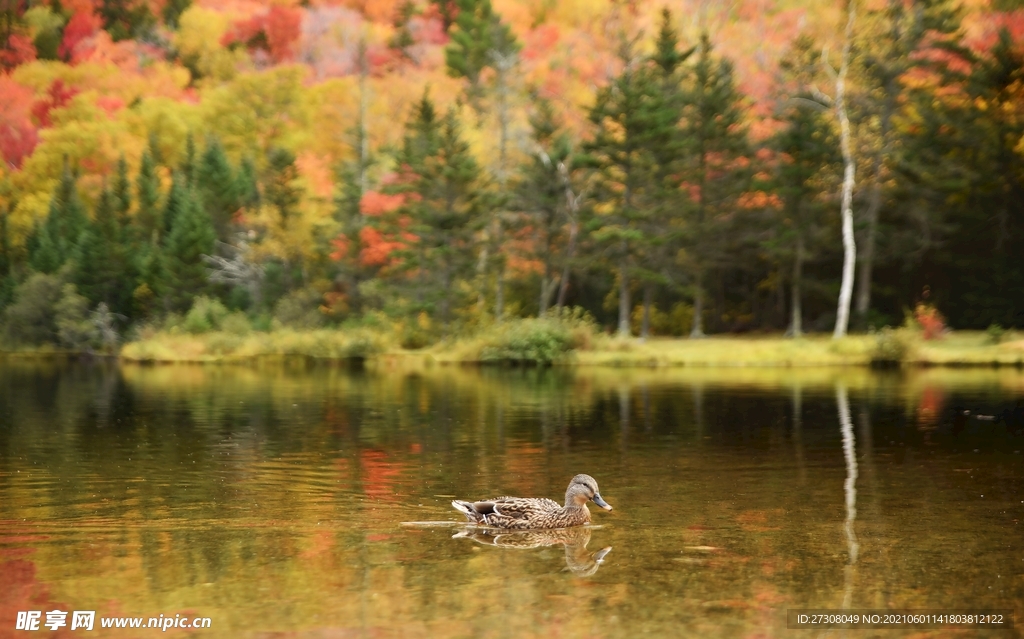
{"type": "Point", "coordinates": [87, 138]}
{"type": "Point", "coordinates": [257, 111]}
{"type": "Point", "coordinates": [198, 41]}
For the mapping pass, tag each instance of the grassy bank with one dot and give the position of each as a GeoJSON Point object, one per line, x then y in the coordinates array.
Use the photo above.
{"type": "Point", "coordinates": [540, 341]}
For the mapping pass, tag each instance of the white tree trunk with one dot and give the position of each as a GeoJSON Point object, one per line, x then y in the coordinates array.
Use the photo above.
{"type": "Point", "coordinates": [849, 244]}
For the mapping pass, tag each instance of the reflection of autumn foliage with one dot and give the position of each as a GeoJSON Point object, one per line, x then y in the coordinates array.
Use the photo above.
{"type": "Point", "coordinates": [928, 408]}
{"type": "Point", "coordinates": [274, 32]}
{"type": "Point", "coordinates": [379, 475]}
{"type": "Point", "coordinates": [20, 590]}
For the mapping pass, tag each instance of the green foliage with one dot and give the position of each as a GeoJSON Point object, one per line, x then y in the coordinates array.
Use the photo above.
{"type": "Point", "coordinates": [892, 347]}
{"type": "Point", "coordinates": [30, 318]}
{"type": "Point", "coordinates": [103, 271]}
{"type": "Point", "coordinates": [205, 315]}
{"type": "Point", "coordinates": [191, 236]}
{"type": "Point", "coordinates": [477, 37]}
{"type": "Point", "coordinates": [217, 186]}
{"type": "Point", "coordinates": [149, 217]}
{"type": "Point", "coordinates": [75, 329]}
{"type": "Point", "coordinates": [55, 239]}
{"type": "Point", "coordinates": [299, 309]}
{"type": "Point", "coordinates": [279, 188]}
{"type": "Point", "coordinates": [995, 334]}
{"type": "Point", "coordinates": [172, 11]}
{"type": "Point", "coordinates": [539, 341]}
{"type": "Point", "coordinates": [125, 19]}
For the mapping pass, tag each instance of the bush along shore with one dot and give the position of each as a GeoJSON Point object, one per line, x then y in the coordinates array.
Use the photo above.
{"type": "Point", "coordinates": [210, 332]}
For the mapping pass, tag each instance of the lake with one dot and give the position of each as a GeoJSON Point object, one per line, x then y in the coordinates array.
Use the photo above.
{"type": "Point", "coordinates": [299, 500]}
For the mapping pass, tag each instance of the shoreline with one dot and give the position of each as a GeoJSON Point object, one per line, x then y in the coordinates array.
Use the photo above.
{"type": "Point", "coordinates": [963, 349]}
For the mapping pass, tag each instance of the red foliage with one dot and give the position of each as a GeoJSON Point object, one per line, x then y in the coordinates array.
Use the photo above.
{"type": "Point", "coordinates": [19, 49]}
{"type": "Point", "coordinates": [110, 104]}
{"type": "Point", "coordinates": [82, 26]}
{"type": "Point", "coordinates": [377, 247]}
{"type": "Point", "coordinates": [274, 32]}
{"type": "Point", "coordinates": [17, 141]}
{"type": "Point", "coordinates": [17, 133]}
{"type": "Point", "coordinates": [930, 320]}
{"type": "Point", "coordinates": [58, 96]}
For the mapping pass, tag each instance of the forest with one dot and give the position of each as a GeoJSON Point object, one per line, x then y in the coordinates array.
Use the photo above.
{"type": "Point", "coordinates": [436, 167]}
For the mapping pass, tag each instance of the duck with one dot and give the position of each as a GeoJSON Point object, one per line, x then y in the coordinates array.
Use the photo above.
{"type": "Point", "coordinates": [536, 513]}
{"type": "Point", "coordinates": [578, 560]}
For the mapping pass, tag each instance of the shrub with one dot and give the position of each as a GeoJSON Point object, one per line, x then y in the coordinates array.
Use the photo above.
{"type": "Point", "coordinates": [996, 334]}
{"type": "Point", "coordinates": [892, 347]}
{"type": "Point", "coordinates": [299, 309]}
{"type": "Point", "coordinates": [931, 321]}
{"type": "Point", "coordinates": [205, 315]}
{"type": "Point", "coordinates": [581, 325]}
{"type": "Point", "coordinates": [536, 341]}
{"type": "Point", "coordinates": [75, 329]}
{"type": "Point", "coordinates": [30, 319]}
{"type": "Point", "coordinates": [236, 324]}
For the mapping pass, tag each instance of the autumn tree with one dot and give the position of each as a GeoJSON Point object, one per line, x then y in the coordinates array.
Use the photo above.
{"type": "Point", "coordinates": [897, 40]}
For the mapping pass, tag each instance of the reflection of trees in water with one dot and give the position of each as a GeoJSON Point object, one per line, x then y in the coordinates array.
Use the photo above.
{"type": "Point", "coordinates": [578, 560]}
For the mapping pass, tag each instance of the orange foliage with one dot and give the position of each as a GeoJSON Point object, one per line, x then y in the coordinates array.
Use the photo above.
{"type": "Point", "coordinates": [378, 247]}
{"type": "Point", "coordinates": [375, 203]}
{"type": "Point", "coordinates": [18, 136]}
{"type": "Point", "coordinates": [274, 32]}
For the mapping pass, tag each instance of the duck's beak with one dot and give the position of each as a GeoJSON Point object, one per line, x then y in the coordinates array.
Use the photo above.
{"type": "Point", "coordinates": [600, 502]}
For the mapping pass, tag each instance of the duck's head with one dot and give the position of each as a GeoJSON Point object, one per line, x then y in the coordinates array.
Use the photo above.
{"type": "Point", "coordinates": [583, 488]}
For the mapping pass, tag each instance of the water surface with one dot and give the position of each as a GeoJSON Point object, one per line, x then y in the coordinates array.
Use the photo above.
{"type": "Point", "coordinates": [271, 499]}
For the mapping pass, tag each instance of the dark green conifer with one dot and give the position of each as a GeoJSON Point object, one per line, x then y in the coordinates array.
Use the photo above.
{"type": "Point", "coordinates": [149, 218]}
{"type": "Point", "coordinates": [58, 234]}
{"type": "Point", "coordinates": [191, 237]}
{"type": "Point", "coordinates": [217, 186]}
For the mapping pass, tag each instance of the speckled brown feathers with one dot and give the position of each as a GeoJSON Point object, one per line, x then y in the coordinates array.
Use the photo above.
{"type": "Point", "coordinates": [530, 513]}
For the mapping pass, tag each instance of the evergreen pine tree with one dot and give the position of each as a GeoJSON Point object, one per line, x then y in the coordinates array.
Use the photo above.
{"type": "Point", "coordinates": [808, 165]}
{"type": "Point", "coordinates": [716, 139]}
{"type": "Point", "coordinates": [540, 191]}
{"type": "Point", "coordinates": [279, 188]}
{"type": "Point", "coordinates": [247, 185]}
{"type": "Point", "coordinates": [149, 218]}
{"type": "Point", "coordinates": [441, 206]}
{"type": "Point", "coordinates": [175, 203]}
{"type": "Point", "coordinates": [58, 234]}
{"type": "Point", "coordinates": [624, 116]}
{"type": "Point", "coordinates": [478, 34]}
{"type": "Point", "coordinates": [188, 163]}
{"type": "Point", "coordinates": [217, 186]}
{"type": "Point", "coordinates": [122, 192]}
{"type": "Point", "coordinates": [191, 236]}
{"type": "Point", "coordinates": [102, 271]}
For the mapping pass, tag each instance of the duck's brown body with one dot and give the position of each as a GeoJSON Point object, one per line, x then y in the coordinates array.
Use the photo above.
{"type": "Point", "coordinates": [532, 513]}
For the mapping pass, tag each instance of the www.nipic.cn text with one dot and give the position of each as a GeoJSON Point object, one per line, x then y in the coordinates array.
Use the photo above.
{"type": "Point", "coordinates": [86, 620]}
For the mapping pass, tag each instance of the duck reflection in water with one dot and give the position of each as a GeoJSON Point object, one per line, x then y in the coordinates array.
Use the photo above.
{"type": "Point", "coordinates": [578, 560]}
